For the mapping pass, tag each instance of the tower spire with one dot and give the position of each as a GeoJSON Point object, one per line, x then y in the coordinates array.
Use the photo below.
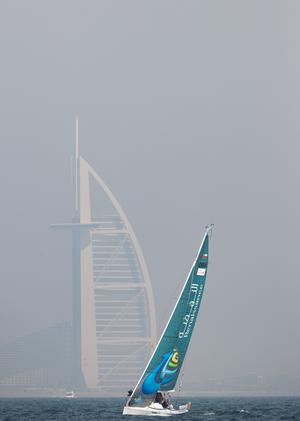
{"type": "Point", "coordinates": [76, 165]}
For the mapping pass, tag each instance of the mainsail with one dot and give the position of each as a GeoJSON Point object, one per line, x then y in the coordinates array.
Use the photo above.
{"type": "Point", "coordinates": [163, 369]}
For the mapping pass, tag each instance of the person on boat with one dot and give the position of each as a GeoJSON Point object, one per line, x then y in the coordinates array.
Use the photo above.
{"type": "Point", "coordinates": [166, 402]}
{"type": "Point", "coordinates": [129, 393]}
{"type": "Point", "coordinates": [159, 398]}
{"type": "Point", "coordinates": [162, 400]}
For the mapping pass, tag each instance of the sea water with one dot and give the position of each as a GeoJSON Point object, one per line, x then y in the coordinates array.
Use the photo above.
{"type": "Point", "coordinates": [209, 409]}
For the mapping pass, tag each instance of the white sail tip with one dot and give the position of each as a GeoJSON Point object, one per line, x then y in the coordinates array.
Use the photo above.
{"type": "Point", "coordinates": [209, 227]}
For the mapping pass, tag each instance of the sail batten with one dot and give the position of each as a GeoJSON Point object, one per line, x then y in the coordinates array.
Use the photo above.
{"type": "Point", "coordinates": [163, 368]}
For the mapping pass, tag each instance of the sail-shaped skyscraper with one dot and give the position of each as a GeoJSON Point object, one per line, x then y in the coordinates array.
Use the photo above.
{"type": "Point", "coordinates": [114, 326]}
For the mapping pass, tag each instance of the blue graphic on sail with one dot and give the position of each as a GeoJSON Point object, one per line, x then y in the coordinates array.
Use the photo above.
{"type": "Point", "coordinates": [163, 374]}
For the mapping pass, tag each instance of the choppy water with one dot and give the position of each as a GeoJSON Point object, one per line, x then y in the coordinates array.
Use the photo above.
{"type": "Point", "coordinates": [208, 409]}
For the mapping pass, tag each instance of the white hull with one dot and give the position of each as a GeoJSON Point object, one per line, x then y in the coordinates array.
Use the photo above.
{"type": "Point", "coordinates": [154, 411]}
{"type": "Point", "coordinates": [70, 395]}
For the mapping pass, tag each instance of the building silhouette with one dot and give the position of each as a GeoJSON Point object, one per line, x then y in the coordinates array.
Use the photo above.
{"type": "Point", "coordinates": [114, 323]}
{"type": "Point", "coordinates": [113, 326]}
{"type": "Point", "coordinates": [39, 360]}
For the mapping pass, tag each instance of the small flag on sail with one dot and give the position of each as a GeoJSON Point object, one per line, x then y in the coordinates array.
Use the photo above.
{"type": "Point", "coordinates": [201, 271]}
{"type": "Point", "coordinates": [204, 256]}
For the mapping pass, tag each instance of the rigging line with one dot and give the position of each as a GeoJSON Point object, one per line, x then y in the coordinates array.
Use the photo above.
{"type": "Point", "coordinates": [188, 349]}
{"type": "Point", "coordinates": [180, 385]}
{"type": "Point", "coordinates": [172, 299]}
{"type": "Point", "coordinates": [169, 307]}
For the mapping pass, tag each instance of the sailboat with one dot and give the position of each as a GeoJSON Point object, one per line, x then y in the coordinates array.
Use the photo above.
{"type": "Point", "coordinates": [149, 397]}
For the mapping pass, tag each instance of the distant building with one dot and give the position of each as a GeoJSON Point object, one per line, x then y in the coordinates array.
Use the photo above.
{"type": "Point", "coordinates": [114, 327]}
{"type": "Point", "coordinates": [38, 360]}
{"type": "Point", "coordinates": [114, 323]}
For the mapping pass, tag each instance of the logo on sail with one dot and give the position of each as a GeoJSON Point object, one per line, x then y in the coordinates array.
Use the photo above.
{"type": "Point", "coordinates": [201, 271]}
{"type": "Point", "coordinates": [164, 373]}
{"type": "Point", "coordinates": [191, 310]}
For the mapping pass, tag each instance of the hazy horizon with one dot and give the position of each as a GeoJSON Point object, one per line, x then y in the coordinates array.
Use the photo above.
{"type": "Point", "coordinates": [189, 112]}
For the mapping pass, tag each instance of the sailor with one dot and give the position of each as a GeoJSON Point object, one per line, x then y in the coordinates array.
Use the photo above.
{"type": "Point", "coordinates": [159, 398]}
{"type": "Point", "coordinates": [129, 393]}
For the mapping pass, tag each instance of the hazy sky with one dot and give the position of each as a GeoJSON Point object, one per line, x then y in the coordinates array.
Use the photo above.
{"type": "Point", "coordinates": [189, 110]}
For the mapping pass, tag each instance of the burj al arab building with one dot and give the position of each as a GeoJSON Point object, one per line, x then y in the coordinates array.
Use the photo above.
{"type": "Point", "coordinates": [114, 326]}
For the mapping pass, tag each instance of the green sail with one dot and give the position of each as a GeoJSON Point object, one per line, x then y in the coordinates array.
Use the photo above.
{"type": "Point", "coordinates": [163, 369]}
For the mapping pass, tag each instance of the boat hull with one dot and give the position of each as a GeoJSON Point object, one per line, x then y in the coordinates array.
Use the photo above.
{"type": "Point", "coordinates": [151, 411]}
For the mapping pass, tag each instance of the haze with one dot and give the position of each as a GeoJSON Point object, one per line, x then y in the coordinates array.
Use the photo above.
{"type": "Point", "coordinates": [189, 112]}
